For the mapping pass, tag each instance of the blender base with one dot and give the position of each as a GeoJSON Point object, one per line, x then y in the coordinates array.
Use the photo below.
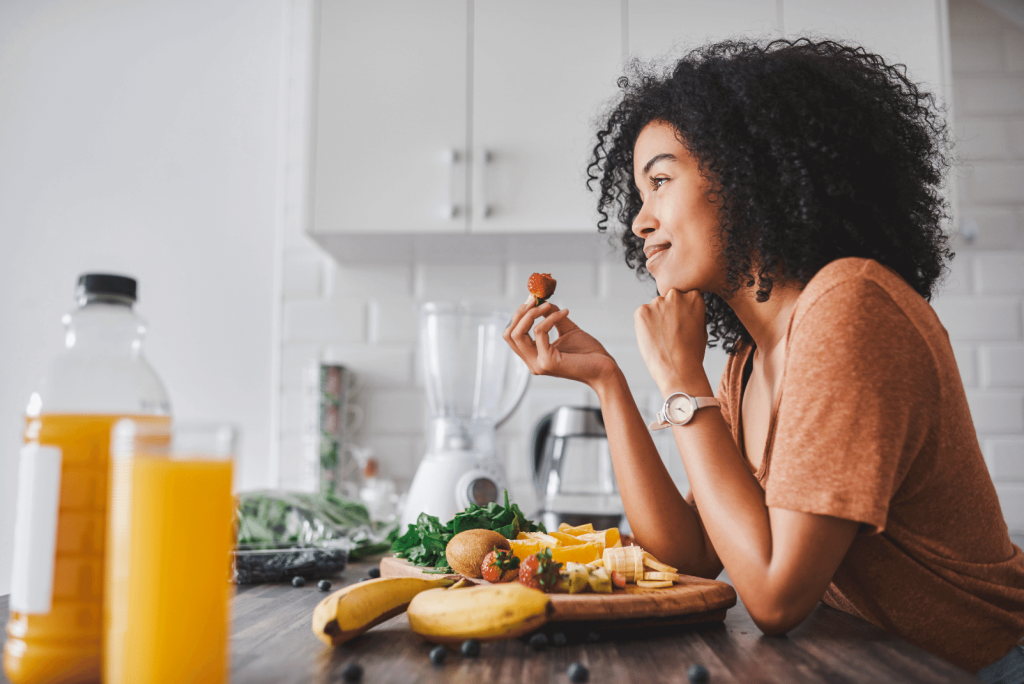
{"type": "Point", "coordinates": [447, 482]}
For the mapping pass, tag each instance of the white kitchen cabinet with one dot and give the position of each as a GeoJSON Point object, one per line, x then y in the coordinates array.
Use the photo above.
{"type": "Point", "coordinates": [542, 70]}
{"type": "Point", "coordinates": [463, 127]}
{"type": "Point", "coordinates": [660, 29]}
{"type": "Point", "coordinates": [390, 144]}
{"type": "Point", "coordinates": [415, 136]}
{"type": "Point", "coordinates": [910, 32]}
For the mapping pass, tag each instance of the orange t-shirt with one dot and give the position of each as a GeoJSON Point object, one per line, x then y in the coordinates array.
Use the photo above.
{"type": "Point", "coordinates": [871, 424]}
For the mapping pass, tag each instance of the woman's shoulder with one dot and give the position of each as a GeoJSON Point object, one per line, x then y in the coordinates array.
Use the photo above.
{"type": "Point", "coordinates": [857, 288]}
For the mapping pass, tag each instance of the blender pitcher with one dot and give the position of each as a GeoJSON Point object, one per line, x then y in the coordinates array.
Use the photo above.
{"type": "Point", "coordinates": [473, 383]}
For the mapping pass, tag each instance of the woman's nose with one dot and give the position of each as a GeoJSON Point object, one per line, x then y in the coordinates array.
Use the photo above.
{"type": "Point", "coordinates": [645, 222]}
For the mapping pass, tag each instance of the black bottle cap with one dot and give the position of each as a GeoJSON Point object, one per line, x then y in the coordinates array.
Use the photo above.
{"type": "Point", "coordinates": [107, 284]}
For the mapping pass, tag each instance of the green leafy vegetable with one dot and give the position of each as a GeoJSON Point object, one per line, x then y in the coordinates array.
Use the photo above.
{"type": "Point", "coordinates": [279, 519]}
{"type": "Point", "coordinates": [423, 544]}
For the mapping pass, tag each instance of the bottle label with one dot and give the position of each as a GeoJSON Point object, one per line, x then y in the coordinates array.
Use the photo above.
{"type": "Point", "coordinates": [35, 529]}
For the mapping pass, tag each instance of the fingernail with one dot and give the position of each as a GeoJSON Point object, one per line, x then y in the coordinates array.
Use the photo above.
{"type": "Point", "coordinates": [529, 299]}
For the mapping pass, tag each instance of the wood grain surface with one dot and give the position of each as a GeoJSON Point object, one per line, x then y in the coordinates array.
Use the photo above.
{"type": "Point", "coordinates": [272, 643]}
{"type": "Point", "coordinates": [708, 599]}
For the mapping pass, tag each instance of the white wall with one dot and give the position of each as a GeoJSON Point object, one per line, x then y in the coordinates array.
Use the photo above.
{"type": "Point", "coordinates": [142, 138]}
{"type": "Point", "coordinates": [982, 308]}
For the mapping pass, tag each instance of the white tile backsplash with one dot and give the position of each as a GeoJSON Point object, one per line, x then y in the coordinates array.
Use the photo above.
{"type": "Point", "coordinates": [997, 411]}
{"type": "Point", "coordinates": [349, 282]}
{"type": "Point", "coordinates": [967, 363]}
{"type": "Point", "coordinates": [480, 282]}
{"type": "Point", "coordinates": [996, 96]}
{"type": "Point", "coordinates": [324, 321]}
{"type": "Point", "coordinates": [980, 318]}
{"type": "Point", "coordinates": [1002, 366]}
{"type": "Point", "coordinates": [1006, 459]}
{"type": "Point", "coordinates": [1000, 273]}
{"type": "Point", "coordinates": [377, 366]}
{"type": "Point", "coordinates": [997, 182]}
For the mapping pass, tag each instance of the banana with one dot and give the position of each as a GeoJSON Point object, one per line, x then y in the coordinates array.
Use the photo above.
{"type": "Point", "coordinates": [654, 564]}
{"type": "Point", "coordinates": [349, 612]}
{"type": "Point", "coordinates": [625, 560]}
{"type": "Point", "coordinates": [486, 613]}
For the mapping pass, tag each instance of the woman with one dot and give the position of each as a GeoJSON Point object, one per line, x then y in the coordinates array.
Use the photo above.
{"type": "Point", "coordinates": [786, 198]}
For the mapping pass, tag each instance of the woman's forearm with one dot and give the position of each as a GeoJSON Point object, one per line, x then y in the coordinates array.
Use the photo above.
{"type": "Point", "coordinates": [661, 519]}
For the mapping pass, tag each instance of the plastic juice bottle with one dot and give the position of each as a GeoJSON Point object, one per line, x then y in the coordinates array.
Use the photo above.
{"type": "Point", "coordinates": [169, 561]}
{"type": "Point", "coordinates": [55, 627]}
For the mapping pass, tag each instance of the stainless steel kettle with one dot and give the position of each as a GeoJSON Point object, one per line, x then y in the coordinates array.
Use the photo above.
{"type": "Point", "coordinates": [572, 469]}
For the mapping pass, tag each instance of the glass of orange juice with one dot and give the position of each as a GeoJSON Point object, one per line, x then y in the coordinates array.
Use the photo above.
{"type": "Point", "coordinates": [169, 541]}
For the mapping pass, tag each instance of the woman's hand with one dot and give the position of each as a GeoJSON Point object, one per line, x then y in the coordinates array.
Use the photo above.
{"type": "Point", "coordinates": [574, 355]}
{"type": "Point", "coordinates": [672, 335]}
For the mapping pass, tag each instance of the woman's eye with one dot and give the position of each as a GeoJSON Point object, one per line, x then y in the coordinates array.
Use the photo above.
{"type": "Point", "coordinates": [657, 182]}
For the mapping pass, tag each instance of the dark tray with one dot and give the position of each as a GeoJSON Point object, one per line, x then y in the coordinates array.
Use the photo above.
{"type": "Point", "coordinates": [257, 566]}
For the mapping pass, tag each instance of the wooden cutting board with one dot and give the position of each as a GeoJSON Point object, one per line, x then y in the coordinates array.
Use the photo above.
{"type": "Point", "coordinates": [693, 600]}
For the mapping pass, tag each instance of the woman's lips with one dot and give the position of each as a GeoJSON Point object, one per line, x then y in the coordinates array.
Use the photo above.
{"type": "Point", "coordinates": [654, 253]}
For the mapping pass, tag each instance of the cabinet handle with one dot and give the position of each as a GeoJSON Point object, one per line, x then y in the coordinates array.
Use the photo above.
{"type": "Point", "coordinates": [451, 158]}
{"type": "Point", "coordinates": [486, 209]}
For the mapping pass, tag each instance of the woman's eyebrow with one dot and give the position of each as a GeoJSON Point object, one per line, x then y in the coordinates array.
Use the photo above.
{"type": "Point", "coordinates": [657, 158]}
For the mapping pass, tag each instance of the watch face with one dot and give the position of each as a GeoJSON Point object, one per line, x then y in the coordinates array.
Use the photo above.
{"type": "Point", "coordinates": [680, 410]}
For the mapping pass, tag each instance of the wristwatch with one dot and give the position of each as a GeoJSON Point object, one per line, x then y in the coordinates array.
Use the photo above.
{"type": "Point", "coordinates": [679, 409]}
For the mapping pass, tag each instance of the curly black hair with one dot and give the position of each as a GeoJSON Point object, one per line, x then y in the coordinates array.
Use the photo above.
{"type": "Point", "coordinates": [816, 151]}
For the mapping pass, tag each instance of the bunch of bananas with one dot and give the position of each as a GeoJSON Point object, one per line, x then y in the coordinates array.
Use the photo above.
{"type": "Point", "coordinates": [441, 615]}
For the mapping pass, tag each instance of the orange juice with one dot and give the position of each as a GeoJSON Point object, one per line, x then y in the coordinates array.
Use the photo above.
{"type": "Point", "coordinates": [63, 645]}
{"type": "Point", "coordinates": [169, 569]}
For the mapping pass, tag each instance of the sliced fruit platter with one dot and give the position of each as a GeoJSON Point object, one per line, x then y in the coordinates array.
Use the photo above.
{"type": "Point", "coordinates": [487, 584]}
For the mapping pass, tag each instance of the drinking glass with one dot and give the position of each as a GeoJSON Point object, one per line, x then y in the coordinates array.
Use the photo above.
{"type": "Point", "coordinates": [169, 543]}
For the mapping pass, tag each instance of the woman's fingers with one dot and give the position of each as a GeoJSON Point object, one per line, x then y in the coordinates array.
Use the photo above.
{"type": "Point", "coordinates": [541, 334]}
{"type": "Point", "coordinates": [519, 335]}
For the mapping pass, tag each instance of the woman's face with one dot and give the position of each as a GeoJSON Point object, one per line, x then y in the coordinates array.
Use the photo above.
{"type": "Point", "coordinates": [677, 222]}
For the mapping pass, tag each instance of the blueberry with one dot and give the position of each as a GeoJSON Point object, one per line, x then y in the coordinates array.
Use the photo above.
{"type": "Point", "coordinates": [698, 674]}
{"type": "Point", "coordinates": [559, 639]}
{"type": "Point", "coordinates": [374, 573]}
{"type": "Point", "coordinates": [578, 673]}
{"type": "Point", "coordinates": [353, 672]}
{"type": "Point", "coordinates": [438, 654]}
{"type": "Point", "coordinates": [471, 648]}
{"type": "Point", "coordinates": [324, 585]}
{"type": "Point", "coordinates": [539, 641]}
{"type": "Point", "coordinates": [298, 581]}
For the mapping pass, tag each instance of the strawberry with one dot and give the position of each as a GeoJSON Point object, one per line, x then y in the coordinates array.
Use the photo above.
{"type": "Point", "coordinates": [539, 571]}
{"type": "Point", "coordinates": [499, 566]}
{"type": "Point", "coordinates": [541, 286]}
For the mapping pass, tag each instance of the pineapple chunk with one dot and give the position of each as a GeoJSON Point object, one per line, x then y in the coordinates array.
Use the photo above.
{"type": "Point", "coordinates": [545, 539]}
{"type": "Point", "coordinates": [566, 528]}
{"type": "Point", "coordinates": [608, 538]}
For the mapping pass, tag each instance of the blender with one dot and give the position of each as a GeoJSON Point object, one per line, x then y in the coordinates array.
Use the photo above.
{"type": "Point", "coordinates": [473, 382]}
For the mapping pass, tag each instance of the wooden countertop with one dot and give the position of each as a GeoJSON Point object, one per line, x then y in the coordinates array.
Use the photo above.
{"type": "Point", "coordinates": [272, 642]}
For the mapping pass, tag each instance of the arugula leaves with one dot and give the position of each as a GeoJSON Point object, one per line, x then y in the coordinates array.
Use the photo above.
{"type": "Point", "coordinates": [424, 543]}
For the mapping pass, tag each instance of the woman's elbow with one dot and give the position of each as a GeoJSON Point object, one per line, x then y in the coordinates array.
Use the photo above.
{"type": "Point", "coordinates": [775, 619]}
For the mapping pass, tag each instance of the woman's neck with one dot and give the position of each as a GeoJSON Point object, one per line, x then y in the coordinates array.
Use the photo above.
{"type": "Point", "coordinates": [767, 322]}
